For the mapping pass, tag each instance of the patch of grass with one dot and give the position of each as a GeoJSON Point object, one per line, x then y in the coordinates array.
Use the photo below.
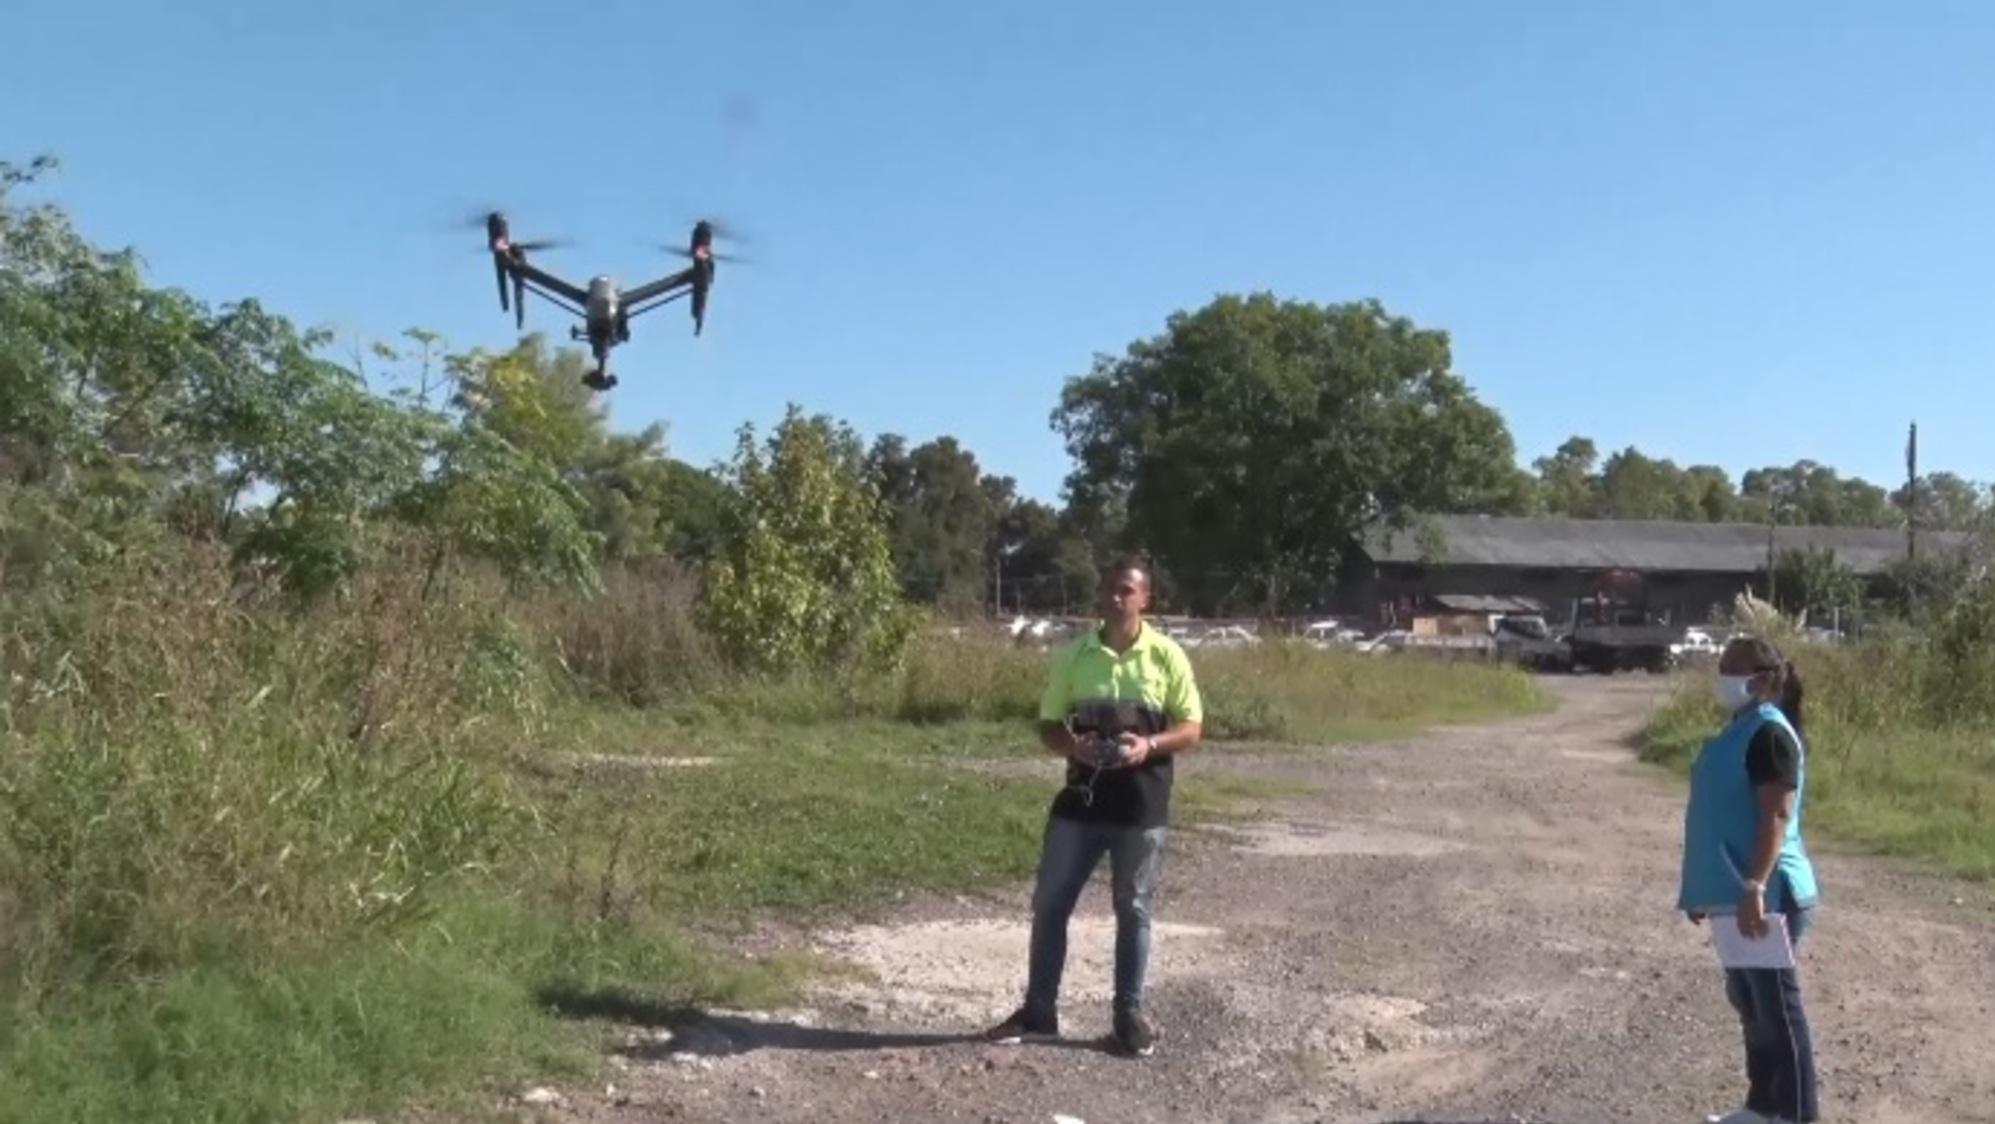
{"type": "Point", "coordinates": [1210, 797]}
{"type": "Point", "coordinates": [793, 820]}
{"type": "Point", "coordinates": [451, 1014]}
{"type": "Point", "coordinates": [1879, 778]}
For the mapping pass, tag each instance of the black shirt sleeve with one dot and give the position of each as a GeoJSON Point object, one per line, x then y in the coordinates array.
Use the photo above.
{"type": "Point", "coordinates": [1773, 758]}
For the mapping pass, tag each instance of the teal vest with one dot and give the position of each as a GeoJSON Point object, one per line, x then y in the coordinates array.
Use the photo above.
{"type": "Point", "coordinates": [1722, 817]}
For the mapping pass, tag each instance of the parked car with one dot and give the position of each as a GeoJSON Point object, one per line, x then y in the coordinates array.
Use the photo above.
{"type": "Point", "coordinates": [1526, 640]}
{"type": "Point", "coordinates": [1389, 641]}
{"type": "Point", "coordinates": [1331, 634]}
{"type": "Point", "coordinates": [1226, 636]}
{"type": "Point", "coordinates": [1697, 646]}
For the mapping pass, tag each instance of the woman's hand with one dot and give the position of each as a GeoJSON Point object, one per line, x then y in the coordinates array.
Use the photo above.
{"type": "Point", "coordinates": [1752, 914]}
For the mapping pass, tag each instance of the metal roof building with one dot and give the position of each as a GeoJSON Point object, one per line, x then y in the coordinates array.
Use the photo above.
{"type": "Point", "coordinates": [1620, 544]}
{"type": "Point", "coordinates": [1687, 570]}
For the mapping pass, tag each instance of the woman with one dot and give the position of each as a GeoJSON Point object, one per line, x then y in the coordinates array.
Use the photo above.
{"type": "Point", "coordinates": [1744, 861]}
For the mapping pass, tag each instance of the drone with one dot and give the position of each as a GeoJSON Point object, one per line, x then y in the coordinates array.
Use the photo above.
{"type": "Point", "coordinates": [604, 307]}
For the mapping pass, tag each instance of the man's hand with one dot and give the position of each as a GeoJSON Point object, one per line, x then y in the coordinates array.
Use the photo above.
{"type": "Point", "coordinates": [1135, 749]}
{"type": "Point", "coordinates": [1057, 738]}
{"type": "Point", "coordinates": [1752, 914]}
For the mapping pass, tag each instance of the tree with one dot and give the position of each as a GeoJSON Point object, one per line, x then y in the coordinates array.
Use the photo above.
{"type": "Point", "coordinates": [1947, 502]}
{"type": "Point", "coordinates": [533, 400]}
{"type": "Point", "coordinates": [802, 573]}
{"type": "Point", "coordinates": [1814, 494]}
{"type": "Point", "coordinates": [943, 515]}
{"type": "Point", "coordinates": [1254, 441]}
{"type": "Point", "coordinates": [1813, 581]}
{"type": "Point", "coordinates": [1708, 495]}
{"type": "Point", "coordinates": [1634, 486]}
{"type": "Point", "coordinates": [1044, 562]}
{"type": "Point", "coordinates": [488, 499]}
{"type": "Point", "coordinates": [640, 504]}
{"type": "Point", "coordinates": [1566, 480]}
{"type": "Point", "coordinates": [95, 365]}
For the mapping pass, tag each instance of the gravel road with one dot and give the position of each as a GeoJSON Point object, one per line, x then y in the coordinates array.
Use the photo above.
{"type": "Point", "coordinates": [1470, 926]}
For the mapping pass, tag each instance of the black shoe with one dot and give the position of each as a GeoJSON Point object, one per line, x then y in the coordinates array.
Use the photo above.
{"type": "Point", "coordinates": [1024, 1023]}
{"type": "Point", "coordinates": [1133, 1034]}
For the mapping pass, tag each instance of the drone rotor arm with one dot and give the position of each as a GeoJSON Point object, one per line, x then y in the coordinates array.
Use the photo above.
{"type": "Point", "coordinates": [559, 299]}
{"type": "Point", "coordinates": [652, 289]}
{"type": "Point", "coordinates": [655, 302]}
{"type": "Point", "coordinates": [545, 281]}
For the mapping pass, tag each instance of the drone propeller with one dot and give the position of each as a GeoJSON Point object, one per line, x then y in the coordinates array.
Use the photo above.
{"type": "Point", "coordinates": [498, 235]}
{"type": "Point", "coordinates": [724, 229]}
{"type": "Point", "coordinates": [683, 252]}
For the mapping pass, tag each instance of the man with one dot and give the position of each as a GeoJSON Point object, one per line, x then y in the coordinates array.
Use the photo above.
{"type": "Point", "coordinates": [1120, 705]}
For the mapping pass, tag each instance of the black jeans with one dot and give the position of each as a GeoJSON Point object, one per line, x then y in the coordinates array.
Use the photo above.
{"type": "Point", "coordinates": [1780, 1058]}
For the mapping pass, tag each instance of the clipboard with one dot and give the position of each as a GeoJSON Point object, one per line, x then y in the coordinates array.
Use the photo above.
{"type": "Point", "coordinates": [1736, 950]}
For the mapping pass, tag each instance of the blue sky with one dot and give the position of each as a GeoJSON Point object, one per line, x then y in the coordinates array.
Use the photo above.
{"type": "Point", "coordinates": [1730, 234]}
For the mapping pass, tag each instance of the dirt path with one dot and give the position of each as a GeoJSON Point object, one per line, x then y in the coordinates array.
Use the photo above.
{"type": "Point", "coordinates": [1470, 926]}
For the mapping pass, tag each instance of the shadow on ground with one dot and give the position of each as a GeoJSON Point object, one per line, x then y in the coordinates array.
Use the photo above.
{"type": "Point", "coordinates": [703, 1033]}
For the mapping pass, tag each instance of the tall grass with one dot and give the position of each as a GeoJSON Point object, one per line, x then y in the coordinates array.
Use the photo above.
{"type": "Point", "coordinates": [1288, 691]}
{"type": "Point", "coordinates": [1901, 749]}
{"type": "Point", "coordinates": [263, 860]}
{"type": "Point", "coordinates": [1273, 691]}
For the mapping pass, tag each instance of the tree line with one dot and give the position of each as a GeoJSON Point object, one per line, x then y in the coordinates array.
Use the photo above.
{"type": "Point", "coordinates": [1247, 448]}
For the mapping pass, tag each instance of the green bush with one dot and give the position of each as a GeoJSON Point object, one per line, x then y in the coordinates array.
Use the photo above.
{"type": "Point", "coordinates": [803, 574]}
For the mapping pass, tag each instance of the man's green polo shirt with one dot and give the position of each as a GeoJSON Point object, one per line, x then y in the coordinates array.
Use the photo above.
{"type": "Point", "coordinates": [1143, 690]}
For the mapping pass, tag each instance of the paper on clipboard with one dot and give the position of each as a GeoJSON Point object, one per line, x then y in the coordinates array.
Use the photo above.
{"type": "Point", "coordinates": [1736, 950]}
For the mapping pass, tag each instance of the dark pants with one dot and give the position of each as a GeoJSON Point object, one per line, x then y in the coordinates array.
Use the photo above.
{"type": "Point", "coordinates": [1071, 852]}
{"type": "Point", "coordinates": [1780, 1059]}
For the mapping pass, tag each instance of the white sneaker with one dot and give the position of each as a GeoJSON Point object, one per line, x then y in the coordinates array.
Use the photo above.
{"type": "Point", "coordinates": [1740, 1116]}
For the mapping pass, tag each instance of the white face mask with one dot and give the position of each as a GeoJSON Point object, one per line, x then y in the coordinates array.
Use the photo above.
{"type": "Point", "coordinates": [1734, 692]}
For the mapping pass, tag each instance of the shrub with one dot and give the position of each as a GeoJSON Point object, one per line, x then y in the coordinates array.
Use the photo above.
{"type": "Point", "coordinates": [803, 574]}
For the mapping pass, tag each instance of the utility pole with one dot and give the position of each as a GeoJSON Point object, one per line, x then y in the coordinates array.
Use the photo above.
{"type": "Point", "coordinates": [1912, 495]}
{"type": "Point", "coordinates": [1773, 506]}
{"type": "Point", "coordinates": [997, 577]}
{"type": "Point", "coordinates": [1772, 517]}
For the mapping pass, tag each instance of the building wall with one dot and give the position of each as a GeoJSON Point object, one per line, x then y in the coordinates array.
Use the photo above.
{"type": "Point", "coordinates": [1687, 598]}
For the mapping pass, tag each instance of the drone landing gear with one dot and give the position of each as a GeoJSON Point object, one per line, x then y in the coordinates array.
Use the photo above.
{"type": "Point", "coordinates": [599, 379]}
